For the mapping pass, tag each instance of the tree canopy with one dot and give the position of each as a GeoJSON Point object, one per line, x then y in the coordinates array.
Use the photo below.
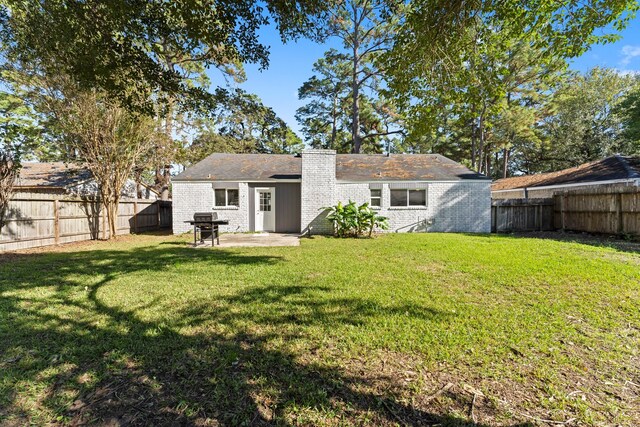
{"type": "Point", "coordinates": [118, 46]}
{"type": "Point", "coordinates": [484, 82]}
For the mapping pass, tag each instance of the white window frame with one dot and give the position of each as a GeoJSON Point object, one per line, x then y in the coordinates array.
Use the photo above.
{"type": "Point", "coordinates": [371, 197]}
{"type": "Point", "coordinates": [409, 205]}
{"type": "Point", "coordinates": [226, 198]}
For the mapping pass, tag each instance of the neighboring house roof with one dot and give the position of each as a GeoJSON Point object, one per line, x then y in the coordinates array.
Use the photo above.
{"type": "Point", "coordinates": [56, 176]}
{"type": "Point", "coordinates": [51, 175]}
{"type": "Point", "coordinates": [610, 169]}
{"type": "Point", "coordinates": [349, 167]}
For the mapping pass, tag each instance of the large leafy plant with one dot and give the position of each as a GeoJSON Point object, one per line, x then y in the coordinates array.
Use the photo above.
{"type": "Point", "coordinates": [352, 220]}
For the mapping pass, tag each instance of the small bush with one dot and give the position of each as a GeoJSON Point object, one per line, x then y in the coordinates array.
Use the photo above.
{"type": "Point", "coordinates": [351, 220]}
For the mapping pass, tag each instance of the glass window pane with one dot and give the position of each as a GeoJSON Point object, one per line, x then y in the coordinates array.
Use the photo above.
{"type": "Point", "coordinates": [232, 198]}
{"type": "Point", "coordinates": [219, 194]}
{"type": "Point", "coordinates": [265, 202]}
{"type": "Point", "coordinates": [398, 197]}
{"type": "Point", "coordinates": [417, 198]}
{"type": "Point", "coordinates": [376, 197]}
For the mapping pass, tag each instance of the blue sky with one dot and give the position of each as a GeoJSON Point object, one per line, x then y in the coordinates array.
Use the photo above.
{"type": "Point", "coordinates": [290, 65]}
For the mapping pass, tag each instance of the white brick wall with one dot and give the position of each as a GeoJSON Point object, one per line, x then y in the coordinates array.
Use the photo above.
{"type": "Point", "coordinates": [463, 206]}
{"type": "Point", "coordinates": [318, 190]}
{"type": "Point", "coordinates": [191, 197]}
{"type": "Point", "coordinates": [451, 206]}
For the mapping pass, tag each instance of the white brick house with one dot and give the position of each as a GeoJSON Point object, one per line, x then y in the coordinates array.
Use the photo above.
{"type": "Point", "coordinates": [286, 193]}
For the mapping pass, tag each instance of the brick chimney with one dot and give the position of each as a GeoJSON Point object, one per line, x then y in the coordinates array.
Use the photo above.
{"type": "Point", "coordinates": [318, 190]}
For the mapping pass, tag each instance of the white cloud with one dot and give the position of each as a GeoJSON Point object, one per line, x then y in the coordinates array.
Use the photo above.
{"type": "Point", "coordinates": [625, 73]}
{"type": "Point", "coordinates": [629, 53]}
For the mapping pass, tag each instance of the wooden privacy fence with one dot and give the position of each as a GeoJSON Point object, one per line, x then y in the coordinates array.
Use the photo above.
{"type": "Point", "coordinates": [509, 215]}
{"type": "Point", "coordinates": [40, 222]}
{"type": "Point", "coordinates": [599, 210]}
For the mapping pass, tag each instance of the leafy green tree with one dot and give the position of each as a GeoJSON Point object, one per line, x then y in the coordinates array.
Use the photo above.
{"type": "Point", "coordinates": [455, 58]}
{"type": "Point", "coordinates": [325, 117]}
{"type": "Point", "coordinates": [173, 116]}
{"type": "Point", "coordinates": [108, 140]}
{"type": "Point", "coordinates": [116, 46]}
{"type": "Point", "coordinates": [366, 28]}
{"type": "Point", "coordinates": [629, 112]}
{"type": "Point", "coordinates": [241, 124]}
{"type": "Point", "coordinates": [585, 125]}
{"type": "Point", "coordinates": [480, 124]}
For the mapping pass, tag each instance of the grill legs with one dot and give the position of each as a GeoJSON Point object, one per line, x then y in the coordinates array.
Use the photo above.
{"type": "Point", "coordinates": [203, 233]}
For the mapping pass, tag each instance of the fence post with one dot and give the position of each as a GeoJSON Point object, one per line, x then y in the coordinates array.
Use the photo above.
{"type": "Point", "coordinates": [56, 221]}
{"type": "Point", "coordinates": [540, 217]}
{"type": "Point", "coordinates": [563, 208]}
{"type": "Point", "coordinates": [158, 203]}
{"type": "Point", "coordinates": [619, 218]}
{"type": "Point", "coordinates": [135, 215]}
{"type": "Point", "coordinates": [104, 221]}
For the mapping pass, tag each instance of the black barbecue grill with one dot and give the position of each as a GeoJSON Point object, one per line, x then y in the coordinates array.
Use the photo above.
{"type": "Point", "coordinates": [205, 226]}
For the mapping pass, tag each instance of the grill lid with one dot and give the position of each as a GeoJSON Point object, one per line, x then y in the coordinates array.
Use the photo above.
{"type": "Point", "coordinates": [205, 216]}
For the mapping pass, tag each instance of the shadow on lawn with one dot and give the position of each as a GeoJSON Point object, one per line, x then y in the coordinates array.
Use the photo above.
{"type": "Point", "coordinates": [123, 369]}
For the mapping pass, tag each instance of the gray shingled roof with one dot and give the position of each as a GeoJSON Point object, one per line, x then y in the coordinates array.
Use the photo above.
{"type": "Point", "coordinates": [349, 167]}
{"type": "Point", "coordinates": [51, 175]}
{"type": "Point", "coordinates": [608, 169]}
{"type": "Point", "coordinates": [401, 167]}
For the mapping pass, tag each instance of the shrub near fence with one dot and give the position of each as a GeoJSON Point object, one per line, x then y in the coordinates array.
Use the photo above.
{"type": "Point", "coordinates": [40, 222]}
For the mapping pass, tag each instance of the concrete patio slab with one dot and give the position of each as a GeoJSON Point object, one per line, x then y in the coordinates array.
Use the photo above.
{"type": "Point", "coordinates": [235, 240]}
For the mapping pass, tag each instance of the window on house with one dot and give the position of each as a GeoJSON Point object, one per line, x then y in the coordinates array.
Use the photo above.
{"type": "Point", "coordinates": [398, 197]}
{"type": "Point", "coordinates": [226, 197]}
{"type": "Point", "coordinates": [233, 197]}
{"type": "Point", "coordinates": [376, 198]}
{"type": "Point", "coordinates": [408, 197]}
{"type": "Point", "coordinates": [417, 198]}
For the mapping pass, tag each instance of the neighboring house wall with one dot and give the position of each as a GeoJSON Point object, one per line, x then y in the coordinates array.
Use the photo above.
{"type": "Point", "coordinates": [318, 190]}
{"type": "Point", "coordinates": [451, 206]}
{"type": "Point", "coordinates": [192, 197]}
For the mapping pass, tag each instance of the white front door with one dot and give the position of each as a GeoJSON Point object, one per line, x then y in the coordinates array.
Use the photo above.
{"type": "Point", "coordinates": [265, 209]}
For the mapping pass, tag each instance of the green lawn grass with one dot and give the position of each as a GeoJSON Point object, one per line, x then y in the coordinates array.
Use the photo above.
{"type": "Point", "coordinates": [402, 329]}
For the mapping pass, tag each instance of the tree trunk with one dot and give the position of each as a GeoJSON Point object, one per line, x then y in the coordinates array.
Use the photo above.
{"type": "Point", "coordinates": [110, 202]}
{"type": "Point", "coordinates": [112, 218]}
{"type": "Point", "coordinates": [473, 137]}
{"type": "Point", "coordinates": [355, 116]}
{"type": "Point", "coordinates": [164, 193]}
{"type": "Point", "coordinates": [481, 142]}
{"type": "Point", "coordinates": [163, 173]}
{"type": "Point", "coordinates": [8, 174]}
{"type": "Point", "coordinates": [355, 87]}
{"type": "Point", "coordinates": [505, 166]}
{"type": "Point", "coordinates": [334, 124]}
